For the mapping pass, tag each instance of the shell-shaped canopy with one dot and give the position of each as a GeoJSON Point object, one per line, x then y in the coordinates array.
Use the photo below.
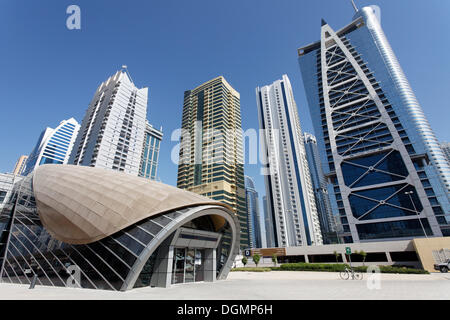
{"type": "Point", "coordinates": [80, 205]}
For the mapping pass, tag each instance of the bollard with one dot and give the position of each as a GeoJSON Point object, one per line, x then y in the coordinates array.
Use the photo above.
{"type": "Point", "coordinates": [33, 282]}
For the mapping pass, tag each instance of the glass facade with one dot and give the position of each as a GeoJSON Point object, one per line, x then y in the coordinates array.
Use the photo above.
{"type": "Point", "coordinates": [324, 210]}
{"type": "Point", "coordinates": [254, 225]}
{"type": "Point", "coordinates": [211, 147]}
{"type": "Point", "coordinates": [188, 264]}
{"type": "Point", "coordinates": [109, 263]}
{"type": "Point", "coordinates": [53, 146]}
{"type": "Point", "coordinates": [150, 153]}
{"type": "Point", "coordinates": [376, 147]}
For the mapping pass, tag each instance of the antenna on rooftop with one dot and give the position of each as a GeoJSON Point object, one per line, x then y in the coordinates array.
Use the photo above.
{"type": "Point", "coordinates": [354, 6]}
{"type": "Point", "coordinates": [125, 68]}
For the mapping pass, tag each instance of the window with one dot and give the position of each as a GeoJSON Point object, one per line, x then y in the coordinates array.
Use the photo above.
{"type": "Point", "coordinates": [2, 196]}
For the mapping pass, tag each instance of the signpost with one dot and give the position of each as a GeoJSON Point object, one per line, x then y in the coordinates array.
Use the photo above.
{"type": "Point", "coordinates": [348, 251]}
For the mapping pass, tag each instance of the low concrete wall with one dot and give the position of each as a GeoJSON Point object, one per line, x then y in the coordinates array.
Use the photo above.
{"type": "Point", "coordinates": [386, 247]}
{"type": "Point", "coordinates": [423, 247]}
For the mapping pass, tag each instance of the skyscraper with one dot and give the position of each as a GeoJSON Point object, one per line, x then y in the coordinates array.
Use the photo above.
{"type": "Point", "coordinates": [446, 149]}
{"type": "Point", "coordinates": [268, 225]}
{"type": "Point", "coordinates": [53, 145]}
{"type": "Point", "coordinates": [20, 165]}
{"type": "Point", "coordinates": [326, 218]}
{"type": "Point", "coordinates": [211, 151]}
{"type": "Point", "coordinates": [150, 152]}
{"type": "Point", "coordinates": [288, 183]}
{"type": "Point", "coordinates": [253, 216]}
{"type": "Point", "coordinates": [7, 181]}
{"type": "Point", "coordinates": [113, 128]}
{"type": "Point", "coordinates": [388, 175]}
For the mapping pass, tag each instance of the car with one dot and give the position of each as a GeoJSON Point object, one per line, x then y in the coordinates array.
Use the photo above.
{"type": "Point", "coordinates": [442, 267]}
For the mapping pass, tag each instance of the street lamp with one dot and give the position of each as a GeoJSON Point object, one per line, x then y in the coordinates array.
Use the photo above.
{"type": "Point", "coordinates": [409, 193]}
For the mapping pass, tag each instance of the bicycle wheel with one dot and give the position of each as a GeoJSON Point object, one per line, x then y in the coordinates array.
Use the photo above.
{"type": "Point", "coordinates": [358, 276]}
{"type": "Point", "coordinates": [344, 274]}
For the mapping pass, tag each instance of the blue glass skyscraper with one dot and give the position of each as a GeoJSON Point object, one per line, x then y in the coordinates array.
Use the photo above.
{"type": "Point", "coordinates": [253, 216]}
{"type": "Point", "coordinates": [150, 152]}
{"type": "Point", "coordinates": [54, 145]}
{"type": "Point", "coordinates": [324, 211]}
{"type": "Point", "coordinates": [268, 225]}
{"type": "Point", "coordinates": [387, 173]}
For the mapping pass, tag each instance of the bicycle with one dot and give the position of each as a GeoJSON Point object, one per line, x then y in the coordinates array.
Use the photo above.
{"type": "Point", "coordinates": [345, 275]}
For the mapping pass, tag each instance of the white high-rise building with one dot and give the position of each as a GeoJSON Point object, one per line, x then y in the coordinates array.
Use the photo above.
{"type": "Point", "coordinates": [290, 195]}
{"type": "Point", "coordinates": [112, 131]}
{"type": "Point", "coordinates": [53, 145]}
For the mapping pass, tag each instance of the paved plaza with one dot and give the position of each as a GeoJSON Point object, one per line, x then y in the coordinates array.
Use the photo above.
{"type": "Point", "coordinates": [283, 285]}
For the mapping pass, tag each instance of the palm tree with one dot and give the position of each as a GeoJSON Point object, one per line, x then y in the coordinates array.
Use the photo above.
{"type": "Point", "coordinates": [364, 255]}
{"type": "Point", "coordinates": [336, 255]}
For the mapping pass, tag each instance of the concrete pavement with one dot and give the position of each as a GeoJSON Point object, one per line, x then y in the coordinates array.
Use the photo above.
{"type": "Point", "coordinates": [277, 285]}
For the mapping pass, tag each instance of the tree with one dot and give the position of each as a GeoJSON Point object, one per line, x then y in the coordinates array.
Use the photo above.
{"type": "Point", "coordinates": [244, 261]}
{"type": "Point", "coordinates": [256, 257]}
{"type": "Point", "coordinates": [337, 256]}
{"type": "Point", "coordinates": [274, 259]}
{"type": "Point", "coordinates": [363, 254]}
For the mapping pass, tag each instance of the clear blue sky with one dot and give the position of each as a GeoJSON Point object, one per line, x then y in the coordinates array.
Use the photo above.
{"type": "Point", "coordinates": [50, 73]}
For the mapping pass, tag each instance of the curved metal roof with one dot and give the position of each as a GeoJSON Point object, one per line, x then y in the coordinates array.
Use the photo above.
{"type": "Point", "coordinates": [80, 205]}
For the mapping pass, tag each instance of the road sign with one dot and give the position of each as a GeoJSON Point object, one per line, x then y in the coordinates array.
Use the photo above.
{"type": "Point", "coordinates": [348, 250]}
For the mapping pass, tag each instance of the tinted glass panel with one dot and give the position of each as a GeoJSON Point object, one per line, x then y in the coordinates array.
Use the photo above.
{"type": "Point", "coordinates": [393, 229]}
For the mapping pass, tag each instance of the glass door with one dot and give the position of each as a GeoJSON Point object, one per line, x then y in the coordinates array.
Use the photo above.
{"type": "Point", "coordinates": [188, 265]}
{"type": "Point", "coordinates": [199, 264]}
{"type": "Point", "coordinates": [189, 269]}
{"type": "Point", "coordinates": [178, 265]}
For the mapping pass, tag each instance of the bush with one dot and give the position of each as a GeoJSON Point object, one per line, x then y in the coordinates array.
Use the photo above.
{"type": "Point", "coordinates": [250, 269]}
{"type": "Point", "coordinates": [303, 266]}
{"type": "Point", "coordinates": [341, 266]}
{"type": "Point", "coordinates": [274, 268]}
{"type": "Point", "coordinates": [391, 269]}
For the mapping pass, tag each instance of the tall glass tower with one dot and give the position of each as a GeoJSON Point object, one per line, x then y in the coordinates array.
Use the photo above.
{"type": "Point", "coordinates": [327, 221]}
{"type": "Point", "coordinates": [253, 216]}
{"type": "Point", "coordinates": [20, 165]}
{"type": "Point", "coordinates": [386, 170]}
{"type": "Point", "coordinates": [268, 225]}
{"type": "Point", "coordinates": [150, 152]}
{"type": "Point", "coordinates": [211, 152]}
{"type": "Point", "coordinates": [289, 191]}
{"type": "Point", "coordinates": [53, 145]}
{"type": "Point", "coordinates": [446, 149]}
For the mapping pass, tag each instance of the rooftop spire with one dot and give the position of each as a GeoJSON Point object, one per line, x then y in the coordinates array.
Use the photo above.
{"type": "Point", "coordinates": [125, 69]}
{"type": "Point", "coordinates": [323, 22]}
{"type": "Point", "coordinates": [354, 6]}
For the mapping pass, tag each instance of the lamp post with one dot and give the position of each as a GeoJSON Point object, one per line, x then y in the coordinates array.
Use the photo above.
{"type": "Point", "coordinates": [409, 193]}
